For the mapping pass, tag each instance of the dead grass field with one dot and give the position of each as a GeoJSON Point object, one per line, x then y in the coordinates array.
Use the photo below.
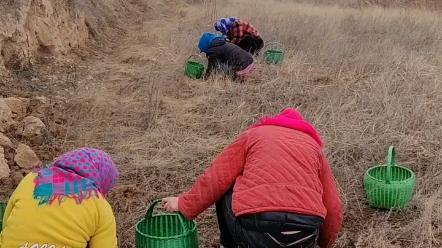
{"type": "Point", "coordinates": [367, 78]}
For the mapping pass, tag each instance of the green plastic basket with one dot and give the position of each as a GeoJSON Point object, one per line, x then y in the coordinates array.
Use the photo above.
{"type": "Point", "coordinates": [274, 56]}
{"type": "Point", "coordinates": [193, 69]}
{"type": "Point", "coordinates": [2, 212]}
{"type": "Point", "coordinates": [165, 231]}
{"type": "Point", "coordinates": [389, 186]}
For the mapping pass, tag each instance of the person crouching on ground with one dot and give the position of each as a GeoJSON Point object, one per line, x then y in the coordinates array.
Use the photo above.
{"type": "Point", "coordinates": [273, 187]}
{"type": "Point", "coordinates": [240, 33]}
{"type": "Point", "coordinates": [226, 57]}
{"type": "Point", "coordinates": [64, 205]}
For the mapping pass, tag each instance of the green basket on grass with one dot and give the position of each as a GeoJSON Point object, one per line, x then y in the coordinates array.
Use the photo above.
{"type": "Point", "coordinates": [274, 56]}
{"type": "Point", "coordinates": [193, 69]}
{"type": "Point", "coordinates": [165, 231]}
{"type": "Point", "coordinates": [2, 212]}
{"type": "Point", "coordinates": [389, 186]}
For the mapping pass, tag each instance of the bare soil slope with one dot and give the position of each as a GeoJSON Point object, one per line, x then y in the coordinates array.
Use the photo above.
{"type": "Point", "coordinates": [37, 29]}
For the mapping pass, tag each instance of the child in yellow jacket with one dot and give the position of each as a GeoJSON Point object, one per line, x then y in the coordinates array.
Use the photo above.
{"type": "Point", "coordinates": [63, 206]}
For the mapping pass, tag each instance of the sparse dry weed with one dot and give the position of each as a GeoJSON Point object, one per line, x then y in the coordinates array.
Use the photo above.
{"type": "Point", "coordinates": [366, 77]}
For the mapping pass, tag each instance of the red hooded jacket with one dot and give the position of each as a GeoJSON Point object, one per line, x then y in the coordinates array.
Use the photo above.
{"type": "Point", "coordinates": [276, 165]}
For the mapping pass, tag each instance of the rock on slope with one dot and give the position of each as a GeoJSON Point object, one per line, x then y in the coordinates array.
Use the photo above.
{"type": "Point", "coordinates": [33, 29]}
{"type": "Point", "coordinates": [17, 117]}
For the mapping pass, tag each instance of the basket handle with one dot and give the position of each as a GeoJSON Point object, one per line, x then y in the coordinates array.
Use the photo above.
{"type": "Point", "coordinates": [149, 213]}
{"type": "Point", "coordinates": [194, 55]}
{"type": "Point", "coordinates": [390, 162]}
{"type": "Point", "coordinates": [276, 43]}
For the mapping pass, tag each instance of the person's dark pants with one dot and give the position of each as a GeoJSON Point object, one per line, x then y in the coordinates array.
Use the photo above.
{"type": "Point", "coordinates": [258, 231]}
{"type": "Point", "coordinates": [251, 44]}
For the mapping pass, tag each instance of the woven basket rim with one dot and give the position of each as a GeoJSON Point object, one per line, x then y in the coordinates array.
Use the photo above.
{"type": "Point", "coordinates": [412, 177]}
{"type": "Point", "coordinates": [194, 63]}
{"type": "Point", "coordinates": [165, 238]}
{"type": "Point", "coordinates": [274, 52]}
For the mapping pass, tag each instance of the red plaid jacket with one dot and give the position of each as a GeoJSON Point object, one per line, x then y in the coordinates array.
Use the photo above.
{"type": "Point", "coordinates": [239, 29]}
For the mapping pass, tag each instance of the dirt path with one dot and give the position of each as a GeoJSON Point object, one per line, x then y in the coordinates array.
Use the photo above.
{"type": "Point", "coordinates": [127, 104]}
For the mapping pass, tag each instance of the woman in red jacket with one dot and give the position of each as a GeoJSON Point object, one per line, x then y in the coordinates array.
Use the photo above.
{"type": "Point", "coordinates": [273, 187]}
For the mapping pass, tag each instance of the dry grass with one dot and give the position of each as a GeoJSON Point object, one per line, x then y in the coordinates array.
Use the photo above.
{"type": "Point", "coordinates": [420, 4]}
{"type": "Point", "coordinates": [366, 78]}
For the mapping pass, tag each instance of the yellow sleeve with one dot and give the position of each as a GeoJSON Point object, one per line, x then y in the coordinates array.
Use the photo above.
{"type": "Point", "coordinates": [11, 202]}
{"type": "Point", "coordinates": [22, 188]}
{"type": "Point", "coordinates": [106, 233]}
{"type": "Point", "coordinates": [8, 210]}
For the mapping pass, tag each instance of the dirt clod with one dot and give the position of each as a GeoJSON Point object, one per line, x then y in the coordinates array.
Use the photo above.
{"type": "Point", "coordinates": [6, 120]}
{"type": "Point", "coordinates": [17, 106]}
{"type": "Point", "coordinates": [4, 168]}
{"type": "Point", "coordinates": [5, 142]}
{"type": "Point", "coordinates": [26, 157]}
{"type": "Point", "coordinates": [30, 126]}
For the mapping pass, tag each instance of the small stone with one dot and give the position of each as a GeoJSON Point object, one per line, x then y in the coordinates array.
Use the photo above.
{"type": "Point", "coordinates": [30, 126]}
{"type": "Point", "coordinates": [26, 157]}
{"type": "Point", "coordinates": [4, 168]}
{"type": "Point", "coordinates": [5, 116]}
{"type": "Point", "coordinates": [5, 142]}
{"type": "Point", "coordinates": [17, 176]}
{"type": "Point", "coordinates": [25, 101]}
{"type": "Point", "coordinates": [41, 99]}
{"type": "Point", "coordinates": [16, 105]}
{"type": "Point", "coordinates": [37, 106]}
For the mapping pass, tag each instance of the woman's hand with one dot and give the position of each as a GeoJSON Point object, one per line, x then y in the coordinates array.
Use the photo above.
{"type": "Point", "coordinates": [170, 204]}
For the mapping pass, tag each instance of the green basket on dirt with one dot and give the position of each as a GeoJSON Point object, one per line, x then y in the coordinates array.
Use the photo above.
{"type": "Point", "coordinates": [2, 212]}
{"type": "Point", "coordinates": [193, 69]}
{"type": "Point", "coordinates": [389, 186]}
{"type": "Point", "coordinates": [165, 231]}
{"type": "Point", "coordinates": [274, 56]}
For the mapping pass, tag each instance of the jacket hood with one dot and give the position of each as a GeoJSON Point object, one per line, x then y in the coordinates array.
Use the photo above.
{"type": "Point", "coordinates": [218, 42]}
{"type": "Point", "coordinates": [206, 40]}
{"type": "Point", "coordinates": [291, 118]}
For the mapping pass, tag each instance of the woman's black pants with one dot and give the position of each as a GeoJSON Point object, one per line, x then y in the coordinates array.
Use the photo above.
{"type": "Point", "coordinates": [251, 44]}
{"type": "Point", "coordinates": [260, 231]}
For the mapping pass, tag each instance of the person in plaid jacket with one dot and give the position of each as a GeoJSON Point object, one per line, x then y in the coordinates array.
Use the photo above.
{"type": "Point", "coordinates": [240, 33]}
